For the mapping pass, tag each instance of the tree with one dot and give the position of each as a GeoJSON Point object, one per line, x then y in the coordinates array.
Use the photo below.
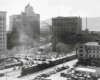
{"type": "Point", "coordinates": [62, 48]}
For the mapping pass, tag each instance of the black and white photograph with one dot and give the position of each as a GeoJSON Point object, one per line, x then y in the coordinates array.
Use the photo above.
{"type": "Point", "coordinates": [49, 40]}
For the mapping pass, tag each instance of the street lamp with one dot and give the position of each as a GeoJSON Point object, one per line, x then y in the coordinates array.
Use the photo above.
{"type": "Point", "coordinates": [28, 76]}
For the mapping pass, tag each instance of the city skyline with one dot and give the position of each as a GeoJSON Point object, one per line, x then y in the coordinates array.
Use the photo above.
{"type": "Point", "coordinates": [52, 8]}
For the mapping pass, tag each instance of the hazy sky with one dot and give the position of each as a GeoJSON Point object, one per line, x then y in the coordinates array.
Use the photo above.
{"type": "Point", "coordinates": [52, 8]}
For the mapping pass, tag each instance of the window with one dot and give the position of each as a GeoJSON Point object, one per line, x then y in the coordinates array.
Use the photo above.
{"type": "Point", "coordinates": [89, 51]}
{"type": "Point", "coordinates": [93, 47]}
{"type": "Point", "coordinates": [3, 49]}
{"type": "Point", "coordinates": [0, 49]}
{"type": "Point", "coordinates": [80, 50]}
{"type": "Point", "coordinates": [0, 18]}
{"type": "Point", "coordinates": [81, 54]}
{"type": "Point", "coordinates": [97, 56]}
{"type": "Point", "coordinates": [3, 18]}
{"type": "Point", "coordinates": [93, 55]}
{"type": "Point", "coordinates": [81, 47]}
{"type": "Point", "coordinates": [93, 51]}
{"type": "Point", "coordinates": [97, 51]}
{"type": "Point", "coordinates": [98, 47]}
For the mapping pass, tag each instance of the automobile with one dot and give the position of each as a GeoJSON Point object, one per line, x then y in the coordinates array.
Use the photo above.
{"type": "Point", "coordinates": [1, 74]}
{"type": "Point", "coordinates": [61, 74]}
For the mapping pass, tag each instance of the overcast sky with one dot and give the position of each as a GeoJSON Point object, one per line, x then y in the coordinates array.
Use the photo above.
{"type": "Point", "coordinates": [52, 8]}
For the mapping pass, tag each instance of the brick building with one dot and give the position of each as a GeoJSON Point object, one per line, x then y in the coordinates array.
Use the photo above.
{"type": "Point", "coordinates": [89, 53]}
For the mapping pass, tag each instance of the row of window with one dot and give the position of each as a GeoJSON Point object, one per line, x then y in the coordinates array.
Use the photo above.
{"type": "Point", "coordinates": [2, 24]}
{"type": "Point", "coordinates": [1, 42]}
{"type": "Point", "coordinates": [91, 47]}
{"type": "Point", "coordinates": [2, 45]}
{"type": "Point", "coordinates": [2, 38]}
{"type": "Point", "coordinates": [2, 49]}
{"type": "Point", "coordinates": [2, 34]}
{"type": "Point", "coordinates": [2, 18]}
{"type": "Point", "coordinates": [2, 27]}
{"type": "Point", "coordinates": [2, 31]}
{"type": "Point", "coordinates": [89, 51]}
{"type": "Point", "coordinates": [94, 56]}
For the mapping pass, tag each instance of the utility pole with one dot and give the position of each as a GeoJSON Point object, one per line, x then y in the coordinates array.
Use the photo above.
{"type": "Point", "coordinates": [6, 75]}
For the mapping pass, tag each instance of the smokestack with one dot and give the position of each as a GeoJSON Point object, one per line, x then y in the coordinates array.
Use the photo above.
{"type": "Point", "coordinates": [86, 22]}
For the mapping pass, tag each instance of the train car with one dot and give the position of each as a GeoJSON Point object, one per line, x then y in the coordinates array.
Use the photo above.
{"type": "Point", "coordinates": [29, 69]}
{"type": "Point", "coordinates": [45, 65]}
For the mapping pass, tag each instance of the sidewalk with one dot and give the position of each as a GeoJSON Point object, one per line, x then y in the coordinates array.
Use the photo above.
{"type": "Point", "coordinates": [6, 70]}
{"type": "Point", "coordinates": [8, 78]}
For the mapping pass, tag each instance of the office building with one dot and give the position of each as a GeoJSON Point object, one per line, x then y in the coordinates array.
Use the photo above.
{"type": "Point", "coordinates": [3, 43]}
{"type": "Point", "coordinates": [65, 29]}
{"type": "Point", "coordinates": [27, 24]}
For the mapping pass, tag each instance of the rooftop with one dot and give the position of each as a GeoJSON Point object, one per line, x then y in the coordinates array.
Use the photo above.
{"type": "Point", "coordinates": [92, 44]}
{"type": "Point", "coordinates": [3, 12]}
{"type": "Point", "coordinates": [85, 69]}
{"type": "Point", "coordinates": [70, 17]}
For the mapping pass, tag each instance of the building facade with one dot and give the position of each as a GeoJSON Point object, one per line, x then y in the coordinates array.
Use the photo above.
{"type": "Point", "coordinates": [27, 24]}
{"type": "Point", "coordinates": [65, 29]}
{"type": "Point", "coordinates": [3, 43]}
{"type": "Point", "coordinates": [89, 53]}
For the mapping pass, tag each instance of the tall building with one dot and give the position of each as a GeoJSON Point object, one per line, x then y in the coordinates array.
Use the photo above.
{"type": "Point", "coordinates": [3, 43]}
{"type": "Point", "coordinates": [27, 24]}
{"type": "Point", "coordinates": [65, 29]}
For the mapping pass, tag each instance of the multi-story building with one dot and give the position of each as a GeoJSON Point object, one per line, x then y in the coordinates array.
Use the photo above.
{"type": "Point", "coordinates": [65, 29]}
{"type": "Point", "coordinates": [27, 24]}
{"type": "Point", "coordinates": [89, 52]}
{"type": "Point", "coordinates": [3, 43]}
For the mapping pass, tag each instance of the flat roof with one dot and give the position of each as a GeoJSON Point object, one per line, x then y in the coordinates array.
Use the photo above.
{"type": "Point", "coordinates": [3, 12]}
{"type": "Point", "coordinates": [92, 44]}
{"type": "Point", "coordinates": [70, 17]}
{"type": "Point", "coordinates": [85, 69]}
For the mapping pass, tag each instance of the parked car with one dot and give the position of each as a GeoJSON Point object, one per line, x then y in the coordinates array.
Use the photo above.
{"type": "Point", "coordinates": [1, 74]}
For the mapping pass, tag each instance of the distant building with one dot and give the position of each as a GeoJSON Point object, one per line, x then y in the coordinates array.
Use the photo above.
{"type": "Point", "coordinates": [89, 53]}
{"type": "Point", "coordinates": [65, 29]}
{"type": "Point", "coordinates": [3, 43]}
{"type": "Point", "coordinates": [89, 71]}
{"type": "Point", "coordinates": [84, 38]}
{"type": "Point", "coordinates": [27, 24]}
